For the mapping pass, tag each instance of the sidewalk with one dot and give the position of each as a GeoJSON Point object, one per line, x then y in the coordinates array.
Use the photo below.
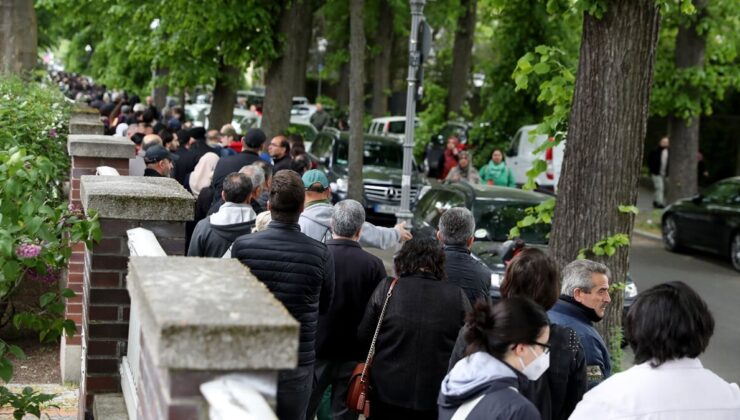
{"type": "Point", "coordinates": [647, 222]}
{"type": "Point", "coordinates": [67, 399]}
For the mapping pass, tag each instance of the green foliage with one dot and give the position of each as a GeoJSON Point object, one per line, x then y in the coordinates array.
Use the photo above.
{"type": "Point", "coordinates": [27, 401]}
{"type": "Point", "coordinates": [607, 246]}
{"type": "Point", "coordinates": [541, 213]}
{"type": "Point", "coordinates": [623, 208]}
{"type": "Point", "coordinates": [616, 337]}
{"type": "Point", "coordinates": [48, 320]}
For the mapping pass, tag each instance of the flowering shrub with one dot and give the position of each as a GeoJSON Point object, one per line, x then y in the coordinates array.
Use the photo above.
{"type": "Point", "coordinates": [37, 227]}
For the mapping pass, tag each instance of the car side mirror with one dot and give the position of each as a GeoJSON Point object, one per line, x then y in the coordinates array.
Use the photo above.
{"type": "Point", "coordinates": [697, 199]}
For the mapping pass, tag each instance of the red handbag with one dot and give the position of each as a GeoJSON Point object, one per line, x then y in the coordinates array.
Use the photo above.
{"type": "Point", "coordinates": [358, 391]}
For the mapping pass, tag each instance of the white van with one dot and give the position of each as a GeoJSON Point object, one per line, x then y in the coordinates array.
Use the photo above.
{"type": "Point", "coordinates": [521, 156]}
{"type": "Point", "coordinates": [389, 126]}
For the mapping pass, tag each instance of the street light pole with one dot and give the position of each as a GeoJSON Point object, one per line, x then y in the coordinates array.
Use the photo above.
{"type": "Point", "coordinates": [417, 10]}
{"type": "Point", "coordinates": [321, 48]}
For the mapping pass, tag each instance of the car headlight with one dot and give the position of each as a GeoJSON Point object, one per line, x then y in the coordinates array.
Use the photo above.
{"type": "Point", "coordinates": [340, 185]}
{"type": "Point", "coordinates": [630, 290]}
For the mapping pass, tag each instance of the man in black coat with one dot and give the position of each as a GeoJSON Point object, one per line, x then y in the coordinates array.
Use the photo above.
{"type": "Point", "coordinates": [357, 274]}
{"type": "Point", "coordinates": [456, 227]}
{"type": "Point", "coordinates": [253, 141]}
{"type": "Point", "coordinates": [299, 271]}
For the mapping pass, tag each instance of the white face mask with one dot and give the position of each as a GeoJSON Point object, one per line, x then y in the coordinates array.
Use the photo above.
{"type": "Point", "coordinates": [539, 365]}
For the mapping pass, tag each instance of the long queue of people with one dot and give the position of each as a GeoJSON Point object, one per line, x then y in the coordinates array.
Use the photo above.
{"type": "Point", "coordinates": [433, 344]}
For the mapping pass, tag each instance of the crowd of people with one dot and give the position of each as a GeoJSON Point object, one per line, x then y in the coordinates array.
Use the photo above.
{"type": "Point", "coordinates": [436, 345]}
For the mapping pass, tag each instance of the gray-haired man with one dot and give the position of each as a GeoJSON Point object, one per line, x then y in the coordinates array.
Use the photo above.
{"type": "Point", "coordinates": [356, 274]}
{"type": "Point", "coordinates": [456, 227]}
{"type": "Point", "coordinates": [583, 301]}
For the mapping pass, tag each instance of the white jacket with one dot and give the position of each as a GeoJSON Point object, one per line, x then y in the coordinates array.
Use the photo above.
{"type": "Point", "coordinates": [676, 390]}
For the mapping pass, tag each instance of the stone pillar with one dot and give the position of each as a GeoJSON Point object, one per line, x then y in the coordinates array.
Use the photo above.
{"type": "Point", "coordinates": [122, 203]}
{"type": "Point", "coordinates": [86, 121]}
{"type": "Point", "coordinates": [86, 153]}
{"type": "Point", "coordinates": [225, 321]}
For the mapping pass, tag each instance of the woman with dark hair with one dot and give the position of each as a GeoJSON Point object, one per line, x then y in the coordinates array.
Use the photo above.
{"type": "Point", "coordinates": [505, 342]}
{"type": "Point", "coordinates": [668, 327]}
{"type": "Point", "coordinates": [535, 275]}
{"type": "Point", "coordinates": [421, 321]}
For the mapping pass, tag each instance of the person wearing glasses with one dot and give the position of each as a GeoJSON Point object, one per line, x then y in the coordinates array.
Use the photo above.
{"type": "Point", "coordinates": [583, 301]}
{"type": "Point", "coordinates": [504, 341]}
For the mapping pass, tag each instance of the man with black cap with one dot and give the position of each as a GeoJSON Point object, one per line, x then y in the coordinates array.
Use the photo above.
{"type": "Point", "coordinates": [158, 161]}
{"type": "Point", "coordinates": [252, 143]}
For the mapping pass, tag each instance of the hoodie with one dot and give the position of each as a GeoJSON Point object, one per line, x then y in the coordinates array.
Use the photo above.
{"type": "Point", "coordinates": [214, 235]}
{"type": "Point", "coordinates": [315, 222]}
{"type": "Point", "coordinates": [482, 374]}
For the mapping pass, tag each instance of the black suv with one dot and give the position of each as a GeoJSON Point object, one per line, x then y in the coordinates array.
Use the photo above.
{"type": "Point", "coordinates": [381, 172]}
{"type": "Point", "coordinates": [496, 211]}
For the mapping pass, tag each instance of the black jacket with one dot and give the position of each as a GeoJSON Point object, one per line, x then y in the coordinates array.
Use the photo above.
{"type": "Point", "coordinates": [356, 274]}
{"type": "Point", "coordinates": [282, 163]}
{"type": "Point", "coordinates": [228, 165]}
{"type": "Point", "coordinates": [653, 161]}
{"type": "Point", "coordinates": [416, 338]}
{"type": "Point", "coordinates": [467, 272]}
{"type": "Point", "coordinates": [214, 240]}
{"type": "Point", "coordinates": [559, 390]}
{"type": "Point", "coordinates": [152, 172]}
{"type": "Point", "coordinates": [298, 270]}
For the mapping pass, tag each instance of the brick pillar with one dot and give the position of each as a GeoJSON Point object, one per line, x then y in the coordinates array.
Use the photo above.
{"type": "Point", "coordinates": [86, 153]}
{"type": "Point", "coordinates": [122, 203]}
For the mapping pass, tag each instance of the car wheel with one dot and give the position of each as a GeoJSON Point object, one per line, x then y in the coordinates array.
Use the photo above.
{"type": "Point", "coordinates": [735, 251]}
{"type": "Point", "coordinates": [670, 234]}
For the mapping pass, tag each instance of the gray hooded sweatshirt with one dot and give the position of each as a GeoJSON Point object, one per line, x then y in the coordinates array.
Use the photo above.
{"type": "Point", "coordinates": [482, 374]}
{"type": "Point", "coordinates": [315, 222]}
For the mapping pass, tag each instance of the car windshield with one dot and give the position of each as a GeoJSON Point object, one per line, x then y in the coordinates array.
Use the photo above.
{"type": "Point", "coordinates": [388, 155]}
{"type": "Point", "coordinates": [499, 216]}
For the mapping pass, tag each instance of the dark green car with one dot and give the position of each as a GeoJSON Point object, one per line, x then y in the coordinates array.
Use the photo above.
{"type": "Point", "coordinates": [708, 222]}
{"type": "Point", "coordinates": [382, 171]}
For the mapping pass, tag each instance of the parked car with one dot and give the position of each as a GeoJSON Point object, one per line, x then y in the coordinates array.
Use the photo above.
{"type": "Point", "coordinates": [308, 131]}
{"type": "Point", "coordinates": [496, 211]}
{"type": "Point", "coordinates": [521, 155]}
{"type": "Point", "coordinates": [708, 222]}
{"type": "Point", "coordinates": [381, 171]}
{"type": "Point", "coordinates": [389, 126]}
{"type": "Point", "coordinates": [242, 119]}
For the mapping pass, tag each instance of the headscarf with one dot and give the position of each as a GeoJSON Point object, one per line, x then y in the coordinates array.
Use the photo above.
{"type": "Point", "coordinates": [203, 172]}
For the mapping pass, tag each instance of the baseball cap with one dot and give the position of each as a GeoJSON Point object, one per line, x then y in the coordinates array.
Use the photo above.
{"type": "Point", "coordinates": [156, 153]}
{"type": "Point", "coordinates": [254, 137]}
{"type": "Point", "coordinates": [315, 176]}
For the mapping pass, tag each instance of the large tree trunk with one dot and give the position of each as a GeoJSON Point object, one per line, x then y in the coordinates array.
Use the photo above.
{"type": "Point", "coordinates": [684, 134]}
{"type": "Point", "coordinates": [224, 97]}
{"type": "Point", "coordinates": [607, 126]}
{"type": "Point", "coordinates": [18, 36]}
{"type": "Point", "coordinates": [382, 62]}
{"type": "Point", "coordinates": [280, 78]}
{"type": "Point", "coordinates": [160, 90]}
{"type": "Point", "coordinates": [299, 86]}
{"type": "Point", "coordinates": [462, 56]}
{"type": "Point", "coordinates": [343, 86]}
{"type": "Point", "coordinates": [356, 98]}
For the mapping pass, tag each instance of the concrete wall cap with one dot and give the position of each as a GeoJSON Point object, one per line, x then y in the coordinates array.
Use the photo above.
{"type": "Point", "coordinates": [98, 145]}
{"type": "Point", "coordinates": [210, 314]}
{"type": "Point", "coordinates": [136, 198]}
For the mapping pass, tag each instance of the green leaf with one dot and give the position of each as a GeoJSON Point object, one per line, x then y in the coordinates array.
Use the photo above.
{"type": "Point", "coordinates": [17, 352]}
{"type": "Point", "coordinates": [6, 370]}
{"type": "Point", "coordinates": [541, 49]}
{"type": "Point", "coordinates": [47, 298]}
{"type": "Point", "coordinates": [527, 221]}
{"type": "Point", "coordinates": [68, 293]}
{"type": "Point", "coordinates": [541, 68]}
{"type": "Point", "coordinates": [629, 209]}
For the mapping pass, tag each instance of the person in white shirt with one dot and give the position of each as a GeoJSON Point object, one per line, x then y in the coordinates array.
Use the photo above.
{"type": "Point", "coordinates": [668, 327]}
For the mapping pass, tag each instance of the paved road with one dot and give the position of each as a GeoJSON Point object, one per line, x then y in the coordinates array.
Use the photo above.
{"type": "Point", "coordinates": [714, 279]}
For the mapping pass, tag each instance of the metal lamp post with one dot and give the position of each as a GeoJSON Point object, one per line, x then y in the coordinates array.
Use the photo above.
{"type": "Point", "coordinates": [321, 48]}
{"type": "Point", "coordinates": [417, 10]}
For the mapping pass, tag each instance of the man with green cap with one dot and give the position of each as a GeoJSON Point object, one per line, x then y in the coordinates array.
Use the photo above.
{"type": "Point", "coordinates": [315, 220]}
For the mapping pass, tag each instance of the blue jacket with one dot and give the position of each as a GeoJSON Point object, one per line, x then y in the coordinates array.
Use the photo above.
{"type": "Point", "coordinates": [598, 364]}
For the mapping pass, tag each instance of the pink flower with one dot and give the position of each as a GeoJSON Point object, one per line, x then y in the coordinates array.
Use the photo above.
{"type": "Point", "coordinates": [49, 277]}
{"type": "Point", "coordinates": [28, 251]}
{"type": "Point", "coordinates": [53, 133]}
{"type": "Point", "coordinates": [71, 207]}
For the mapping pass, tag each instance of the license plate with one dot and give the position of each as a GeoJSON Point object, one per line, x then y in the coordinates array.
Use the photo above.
{"type": "Point", "coordinates": [386, 209]}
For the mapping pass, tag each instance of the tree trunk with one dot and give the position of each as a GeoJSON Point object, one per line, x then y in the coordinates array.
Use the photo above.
{"type": "Point", "coordinates": [607, 126]}
{"type": "Point", "coordinates": [280, 78]}
{"type": "Point", "coordinates": [382, 62]}
{"type": "Point", "coordinates": [684, 134]}
{"type": "Point", "coordinates": [356, 98]}
{"type": "Point", "coordinates": [161, 90]}
{"type": "Point", "coordinates": [299, 87]}
{"type": "Point", "coordinates": [461, 56]}
{"type": "Point", "coordinates": [18, 36]}
{"type": "Point", "coordinates": [224, 97]}
{"type": "Point", "coordinates": [343, 86]}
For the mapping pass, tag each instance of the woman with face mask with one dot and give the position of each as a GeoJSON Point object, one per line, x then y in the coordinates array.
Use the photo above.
{"type": "Point", "coordinates": [505, 342]}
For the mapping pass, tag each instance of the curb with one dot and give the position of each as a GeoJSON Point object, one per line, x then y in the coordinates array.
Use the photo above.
{"type": "Point", "coordinates": [647, 234]}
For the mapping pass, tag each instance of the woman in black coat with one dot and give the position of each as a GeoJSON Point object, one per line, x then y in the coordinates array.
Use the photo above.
{"type": "Point", "coordinates": [422, 320]}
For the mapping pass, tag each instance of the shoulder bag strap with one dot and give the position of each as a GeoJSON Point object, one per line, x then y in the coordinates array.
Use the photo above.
{"type": "Point", "coordinates": [371, 353]}
{"type": "Point", "coordinates": [464, 410]}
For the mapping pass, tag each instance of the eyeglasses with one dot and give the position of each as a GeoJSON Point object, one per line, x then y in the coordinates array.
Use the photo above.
{"type": "Point", "coordinates": [276, 145]}
{"type": "Point", "coordinates": [545, 347]}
